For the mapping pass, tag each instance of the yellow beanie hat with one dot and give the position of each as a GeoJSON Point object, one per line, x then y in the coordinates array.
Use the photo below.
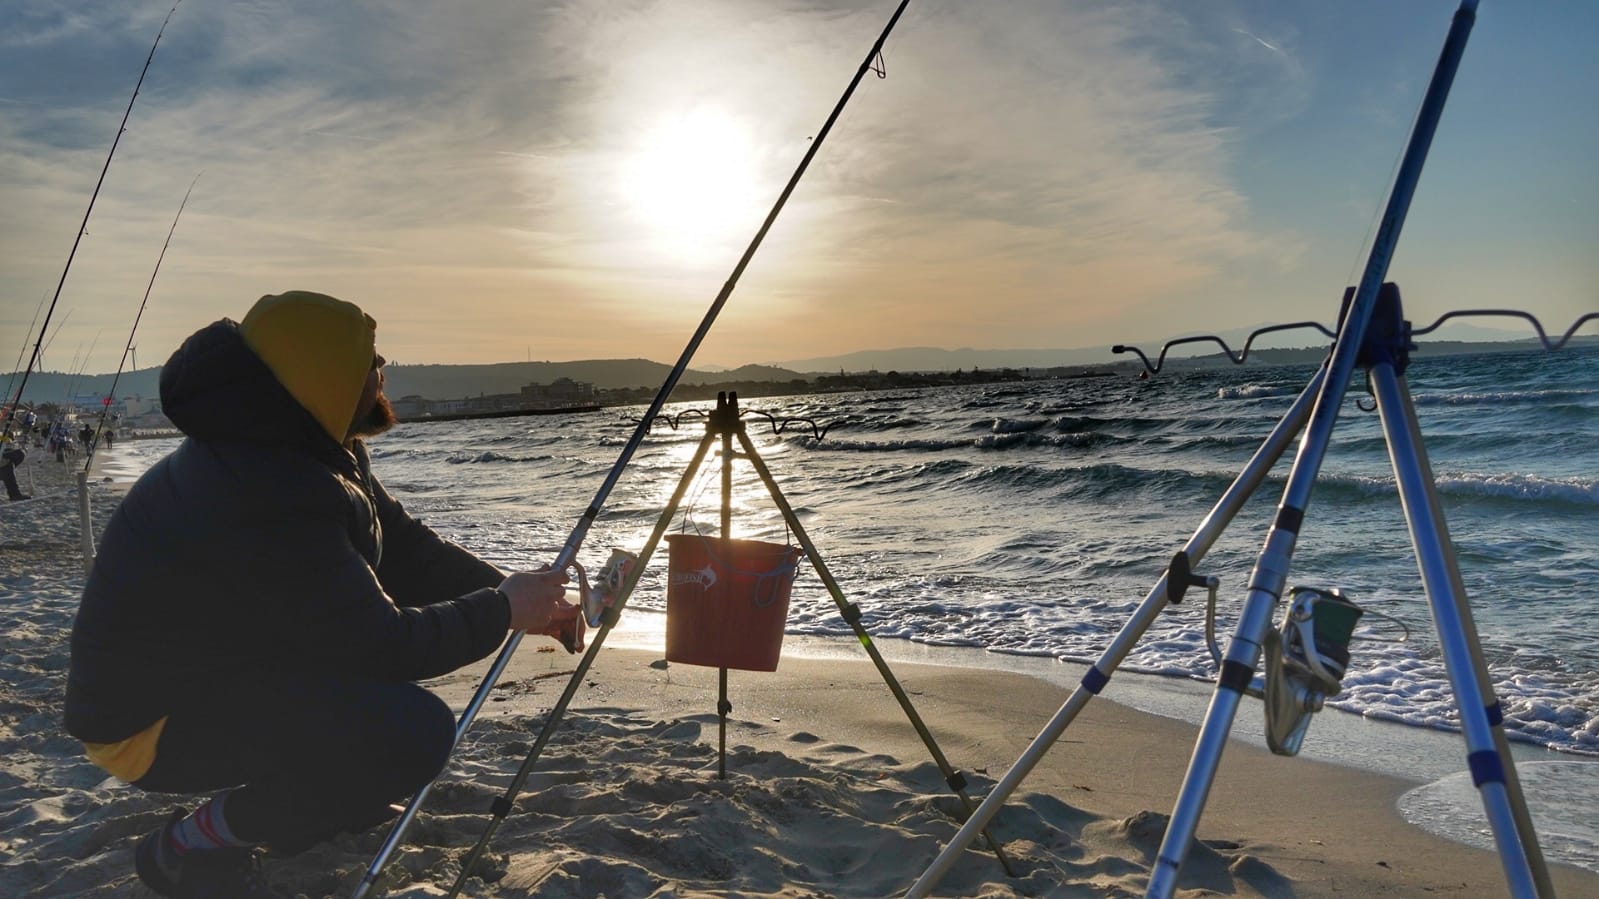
{"type": "Point", "coordinates": [319, 348]}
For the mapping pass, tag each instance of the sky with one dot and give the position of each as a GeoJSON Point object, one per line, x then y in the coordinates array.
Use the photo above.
{"type": "Point", "coordinates": [508, 180]}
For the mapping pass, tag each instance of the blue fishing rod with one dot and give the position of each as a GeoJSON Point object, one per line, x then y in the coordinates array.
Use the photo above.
{"type": "Point", "coordinates": [568, 553]}
{"type": "Point", "coordinates": [84, 227]}
{"type": "Point", "coordinates": [1492, 773]}
{"type": "Point", "coordinates": [111, 395]}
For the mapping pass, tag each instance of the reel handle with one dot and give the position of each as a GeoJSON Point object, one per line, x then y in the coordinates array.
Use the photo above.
{"type": "Point", "coordinates": [1180, 576]}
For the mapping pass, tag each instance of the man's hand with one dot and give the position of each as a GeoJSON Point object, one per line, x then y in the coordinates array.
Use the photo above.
{"type": "Point", "coordinates": [538, 601]}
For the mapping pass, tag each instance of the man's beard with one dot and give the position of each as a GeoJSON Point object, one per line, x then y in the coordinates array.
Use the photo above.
{"type": "Point", "coordinates": [379, 419]}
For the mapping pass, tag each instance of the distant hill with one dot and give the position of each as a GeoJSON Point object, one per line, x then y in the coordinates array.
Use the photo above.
{"type": "Point", "coordinates": [925, 358]}
{"type": "Point", "coordinates": [932, 359]}
{"type": "Point", "coordinates": [58, 387]}
{"type": "Point", "coordinates": [453, 381]}
{"type": "Point", "coordinates": [432, 381]}
{"type": "Point", "coordinates": [440, 382]}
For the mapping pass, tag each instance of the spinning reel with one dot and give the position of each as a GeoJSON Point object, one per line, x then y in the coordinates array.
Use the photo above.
{"type": "Point", "coordinates": [597, 599]}
{"type": "Point", "coordinates": [1306, 656]}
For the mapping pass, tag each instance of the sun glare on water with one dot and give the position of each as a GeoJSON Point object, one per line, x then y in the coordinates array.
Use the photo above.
{"type": "Point", "coordinates": [691, 186]}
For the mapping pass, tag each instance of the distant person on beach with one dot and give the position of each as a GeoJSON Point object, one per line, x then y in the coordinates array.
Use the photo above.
{"type": "Point", "coordinates": [86, 436]}
{"type": "Point", "coordinates": [260, 607]}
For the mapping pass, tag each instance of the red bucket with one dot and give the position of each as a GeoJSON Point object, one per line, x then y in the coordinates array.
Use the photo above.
{"type": "Point", "coordinates": [727, 601]}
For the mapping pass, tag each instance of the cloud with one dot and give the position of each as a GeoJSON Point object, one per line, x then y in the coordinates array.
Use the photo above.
{"type": "Point", "coordinates": [1041, 157]}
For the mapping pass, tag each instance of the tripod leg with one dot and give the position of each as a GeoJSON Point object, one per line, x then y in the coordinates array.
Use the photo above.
{"type": "Point", "coordinates": [1098, 675]}
{"type": "Point", "coordinates": [1238, 669]}
{"type": "Point", "coordinates": [852, 614]}
{"type": "Point", "coordinates": [726, 418]}
{"type": "Point", "coordinates": [723, 707]}
{"type": "Point", "coordinates": [1492, 769]}
{"type": "Point", "coordinates": [502, 805]}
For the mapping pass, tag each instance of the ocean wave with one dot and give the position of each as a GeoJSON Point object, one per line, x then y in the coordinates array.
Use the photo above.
{"type": "Point", "coordinates": [1506, 397]}
{"type": "Point", "coordinates": [1017, 426]}
{"type": "Point", "coordinates": [1256, 391]}
{"type": "Point", "coordinates": [489, 457]}
{"type": "Point", "coordinates": [1577, 491]}
{"type": "Point", "coordinates": [1516, 487]}
{"type": "Point", "coordinates": [999, 441]}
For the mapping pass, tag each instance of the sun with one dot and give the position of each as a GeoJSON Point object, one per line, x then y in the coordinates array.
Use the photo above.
{"type": "Point", "coordinates": [690, 186]}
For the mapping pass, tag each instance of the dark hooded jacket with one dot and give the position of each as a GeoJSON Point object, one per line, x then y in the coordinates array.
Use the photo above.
{"type": "Point", "coordinates": [262, 544]}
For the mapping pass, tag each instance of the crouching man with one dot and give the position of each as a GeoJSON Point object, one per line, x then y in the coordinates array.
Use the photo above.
{"type": "Point", "coordinates": [260, 607]}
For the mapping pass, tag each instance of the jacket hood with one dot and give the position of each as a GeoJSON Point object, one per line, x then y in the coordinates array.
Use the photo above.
{"type": "Point", "coordinates": [215, 388]}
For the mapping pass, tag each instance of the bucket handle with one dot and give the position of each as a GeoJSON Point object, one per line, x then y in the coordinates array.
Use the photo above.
{"type": "Point", "coordinates": [784, 569]}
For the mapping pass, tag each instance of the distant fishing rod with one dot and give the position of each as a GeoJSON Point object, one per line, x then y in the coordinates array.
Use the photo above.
{"type": "Point", "coordinates": [568, 553]}
{"type": "Point", "coordinates": [16, 367]}
{"type": "Point", "coordinates": [80, 364]}
{"type": "Point", "coordinates": [111, 395]}
{"type": "Point", "coordinates": [83, 228]}
{"type": "Point", "coordinates": [51, 340]}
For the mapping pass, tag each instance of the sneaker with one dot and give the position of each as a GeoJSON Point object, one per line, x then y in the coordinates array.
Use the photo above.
{"type": "Point", "coordinates": [199, 873]}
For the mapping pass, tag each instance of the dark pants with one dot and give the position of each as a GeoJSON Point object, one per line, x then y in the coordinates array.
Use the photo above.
{"type": "Point", "coordinates": [310, 754]}
{"type": "Point", "coordinates": [8, 476]}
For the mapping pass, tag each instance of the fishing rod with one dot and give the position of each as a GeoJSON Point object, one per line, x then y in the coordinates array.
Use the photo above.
{"type": "Point", "coordinates": [16, 367]}
{"type": "Point", "coordinates": [84, 227]}
{"type": "Point", "coordinates": [568, 553]}
{"type": "Point", "coordinates": [1495, 778]}
{"type": "Point", "coordinates": [51, 340]}
{"type": "Point", "coordinates": [111, 394]}
{"type": "Point", "coordinates": [80, 364]}
{"type": "Point", "coordinates": [1267, 582]}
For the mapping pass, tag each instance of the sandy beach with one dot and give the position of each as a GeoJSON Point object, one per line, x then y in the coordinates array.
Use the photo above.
{"type": "Point", "coordinates": [829, 791]}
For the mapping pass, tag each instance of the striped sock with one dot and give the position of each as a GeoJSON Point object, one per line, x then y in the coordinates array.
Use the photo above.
{"type": "Point", "coordinates": [205, 828]}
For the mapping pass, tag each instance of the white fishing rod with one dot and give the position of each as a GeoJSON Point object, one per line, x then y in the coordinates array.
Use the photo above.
{"type": "Point", "coordinates": [111, 394]}
{"type": "Point", "coordinates": [84, 227]}
{"type": "Point", "coordinates": [80, 364]}
{"type": "Point", "coordinates": [568, 553]}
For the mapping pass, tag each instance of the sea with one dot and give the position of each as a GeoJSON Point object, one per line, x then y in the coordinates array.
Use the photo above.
{"type": "Point", "coordinates": [1019, 525]}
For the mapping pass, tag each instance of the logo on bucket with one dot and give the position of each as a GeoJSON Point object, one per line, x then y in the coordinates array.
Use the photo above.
{"type": "Point", "coordinates": [704, 577]}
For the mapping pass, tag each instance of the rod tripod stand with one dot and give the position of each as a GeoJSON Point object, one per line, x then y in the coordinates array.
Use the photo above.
{"type": "Point", "coordinates": [1384, 354]}
{"type": "Point", "coordinates": [1372, 335]}
{"type": "Point", "coordinates": [724, 426]}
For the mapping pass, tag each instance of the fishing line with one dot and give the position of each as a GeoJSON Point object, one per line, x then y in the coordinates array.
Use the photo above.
{"type": "Point", "coordinates": [84, 227]}
{"type": "Point", "coordinates": [1378, 206]}
{"type": "Point", "coordinates": [80, 364]}
{"type": "Point", "coordinates": [568, 553]}
{"type": "Point", "coordinates": [111, 395]}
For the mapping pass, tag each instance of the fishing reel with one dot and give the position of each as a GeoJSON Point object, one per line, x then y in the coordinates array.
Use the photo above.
{"type": "Point", "coordinates": [606, 591]}
{"type": "Point", "coordinates": [595, 601]}
{"type": "Point", "coordinates": [1306, 656]}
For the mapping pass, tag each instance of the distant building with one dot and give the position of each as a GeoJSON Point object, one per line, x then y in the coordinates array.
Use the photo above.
{"type": "Point", "coordinates": [564, 392]}
{"type": "Point", "coordinates": [494, 402]}
{"type": "Point", "coordinates": [411, 406]}
{"type": "Point", "coordinates": [141, 405]}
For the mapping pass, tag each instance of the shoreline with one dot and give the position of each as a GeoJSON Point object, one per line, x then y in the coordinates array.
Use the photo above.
{"type": "Point", "coordinates": [1409, 751]}
{"type": "Point", "coordinates": [1325, 828]}
{"type": "Point", "coordinates": [830, 792]}
{"type": "Point", "coordinates": [1431, 761]}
